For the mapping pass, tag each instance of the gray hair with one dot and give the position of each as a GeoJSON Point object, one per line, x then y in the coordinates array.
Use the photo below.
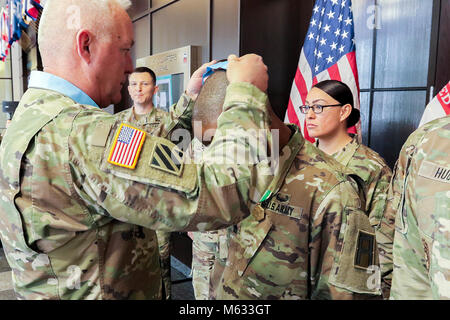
{"type": "Point", "coordinates": [62, 19]}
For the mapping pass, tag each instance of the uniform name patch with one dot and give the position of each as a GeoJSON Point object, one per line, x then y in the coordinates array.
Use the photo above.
{"type": "Point", "coordinates": [435, 172]}
{"type": "Point", "coordinates": [126, 146]}
{"type": "Point", "coordinates": [280, 204]}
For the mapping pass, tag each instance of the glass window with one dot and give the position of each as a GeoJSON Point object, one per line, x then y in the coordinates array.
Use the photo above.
{"type": "Point", "coordinates": [5, 90]}
{"type": "Point", "coordinates": [366, 20]}
{"type": "Point", "coordinates": [5, 68]}
{"type": "Point", "coordinates": [403, 43]}
{"type": "Point", "coordinates": [2, 120]}
{"type": "Point", "coordinates": [141, 38]}
{"type": "Point", "coordinates": [5, 95]}
{"type": "Point", "coordinates": [396, 114]}
{"type": "Point", "coordinates": [138, 7]}
{"type": "Point", "coordinates": [158, 3]}
{"type": "Point", "coordinates": [365, 116]}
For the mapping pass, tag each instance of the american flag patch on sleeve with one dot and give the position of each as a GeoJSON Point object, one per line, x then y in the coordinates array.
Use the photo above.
{"type": "Point", "coordinates": [126, 146]}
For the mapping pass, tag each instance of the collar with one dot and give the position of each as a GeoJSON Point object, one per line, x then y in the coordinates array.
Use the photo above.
{"type": "Point", "coordinates": [48, 81]}
{"type": "Point", "coordinates": [143, 118]}
{"type": "Point", "coordinates": [346, 154]}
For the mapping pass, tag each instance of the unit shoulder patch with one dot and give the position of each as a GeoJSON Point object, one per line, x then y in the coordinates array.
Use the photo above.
{"type": "Point", "coordinates": [159, 163]}
{"type": "Point", "coordinates": [167, 158]}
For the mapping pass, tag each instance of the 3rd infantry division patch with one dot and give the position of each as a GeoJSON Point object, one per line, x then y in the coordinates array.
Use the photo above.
{"type": "Point", "coordinates": [166, 158]}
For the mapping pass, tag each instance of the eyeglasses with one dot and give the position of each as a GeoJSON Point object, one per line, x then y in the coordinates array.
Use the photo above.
{"type": "Point", "coordinates": [316, 108]}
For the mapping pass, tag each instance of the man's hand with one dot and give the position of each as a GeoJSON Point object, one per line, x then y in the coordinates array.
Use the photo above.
{"type": "Point", "coordinates": [249, 68]}
{"type": "Point", "coordinates": [195, 83]}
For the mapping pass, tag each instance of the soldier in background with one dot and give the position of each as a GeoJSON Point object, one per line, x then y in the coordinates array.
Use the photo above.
{"type": "Point", "coordinates": [144, 115]}
{"type": "Point", "coordinates": [72, 203]}
{"type": "Point", "coordinates": [419, 199]}
{"type": "Point", "coordinates": [292, 246]}
{"type": "Point", "coordinates": [329, 114]}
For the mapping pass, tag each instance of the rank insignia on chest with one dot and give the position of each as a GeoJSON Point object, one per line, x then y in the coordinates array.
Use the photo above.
{"type": "Point", "coordinates": [167, 158]}
{"type": "Point", "coordinates": [126, 146]}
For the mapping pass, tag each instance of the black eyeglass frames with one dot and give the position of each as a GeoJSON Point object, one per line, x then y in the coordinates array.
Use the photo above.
{"type": "Point", "coordinates": [316, 108]}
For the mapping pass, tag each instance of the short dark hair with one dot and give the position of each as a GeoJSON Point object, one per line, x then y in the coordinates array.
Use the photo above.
{"type": "Point", "coordinates": [147, 70]}
{"type": "Point", "coordinates": [337, 90]}
{"type": "Point", "coordinates": [340, 92]}
{"type": "Point", "coordinates": [209, 103]}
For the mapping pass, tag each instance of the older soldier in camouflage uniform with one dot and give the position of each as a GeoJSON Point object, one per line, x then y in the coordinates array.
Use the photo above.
{"type": "Point", "coordinates": [70, 220]}
{"type": "Point", "coordinates": [419, 199]}
{"type": "Point", "coordinates": [330, 113]}
{"type": "Point", "coordinates": [143, 114]}
{"type": "Point", "coordinates": [308, 239]}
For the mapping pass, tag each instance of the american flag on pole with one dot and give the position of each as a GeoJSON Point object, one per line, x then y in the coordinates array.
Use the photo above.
{"type": "Point", "coordinates": [328, 53]}
{"type": "Point", "coordinates": [126, 147]}
{"type": "Point", "coordinates": [438, 107]}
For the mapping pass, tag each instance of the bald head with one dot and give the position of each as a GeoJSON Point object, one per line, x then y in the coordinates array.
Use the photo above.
{"type": "Point", "coordinates": [88, 43]}
{"type": "Point", "coordinates": [209, 103]}
{"type": "Point", "coordinates": [63, 19]}
{"type": "Point", "coordinates": [208, 106]}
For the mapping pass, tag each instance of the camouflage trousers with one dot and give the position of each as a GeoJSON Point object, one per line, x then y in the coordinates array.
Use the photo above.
{"type": "Point", "coordinates": [207, 247]}
{"type": "Point", "coordinates": [164, 259]}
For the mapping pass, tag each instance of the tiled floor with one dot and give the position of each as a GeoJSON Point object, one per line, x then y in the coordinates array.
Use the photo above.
{"type": "Point", "coordinates": [181, 286]}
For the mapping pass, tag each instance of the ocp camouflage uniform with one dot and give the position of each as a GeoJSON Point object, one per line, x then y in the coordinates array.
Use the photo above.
{"type": "Point", "coordinates": [314, 240]}
{"type": "Point", "coordinates": [71, 223]}
{"type": "Point", "coordinates": [158, 123]}
{"type": "Point", "coordinates": [376, 176]}
{"type": "Point", "coordinates": [419, 199]}
{"type": "Point", "coordinates": [206, 246]}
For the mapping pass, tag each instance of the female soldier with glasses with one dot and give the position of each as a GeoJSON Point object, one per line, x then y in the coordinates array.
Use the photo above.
{"type": "Point", "coordinates": [329, 113]}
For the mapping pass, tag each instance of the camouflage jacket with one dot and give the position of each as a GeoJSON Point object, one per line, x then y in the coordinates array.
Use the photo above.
{"type": "Point", "coordinates": [70, 221]}
{"type": "Point", "coordinates": [314, 240]}
{"type": "Point", "coordinates": [158, 123]}
{"type": "Point", "coordinates": [419, 199]}
{"type": "Point", "coordinates": [376, 176]}
{"type": "Point", "coordinates": [207, 247]}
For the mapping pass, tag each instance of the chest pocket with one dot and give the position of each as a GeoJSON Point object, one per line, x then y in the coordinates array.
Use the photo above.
{"type": "Point", "coordinates": [354, 265]}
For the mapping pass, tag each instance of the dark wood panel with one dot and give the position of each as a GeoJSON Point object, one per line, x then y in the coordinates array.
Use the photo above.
{"type": "Point", "coordinates": [276, 29]}
{"type": "Point", "coordinates": [396, 114]}
{"type": "Point", "coordinates": [181, 247]}
{"type": "Point", "coordinates": [443, 56]}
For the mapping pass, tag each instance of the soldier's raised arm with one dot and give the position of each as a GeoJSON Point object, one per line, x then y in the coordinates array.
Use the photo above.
{"type": "Point", "coordinates": [161, 193]}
